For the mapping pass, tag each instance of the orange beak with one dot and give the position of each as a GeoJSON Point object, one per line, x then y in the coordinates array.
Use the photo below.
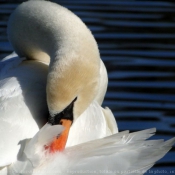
{"type": "Point", "coordinates": [59, 143]}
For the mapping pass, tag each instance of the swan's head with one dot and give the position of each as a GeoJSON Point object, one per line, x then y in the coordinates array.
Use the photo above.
{"type": "Point", "coordinates": [72, 85]}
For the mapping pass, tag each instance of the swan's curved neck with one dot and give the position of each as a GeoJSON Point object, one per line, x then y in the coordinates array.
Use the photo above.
{"type": "Point", "coordinates": [46, 31]}
{"type": "Point", "coordinates": [37, 27]}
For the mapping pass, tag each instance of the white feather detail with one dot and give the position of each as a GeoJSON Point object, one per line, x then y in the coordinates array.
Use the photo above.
{"type": "Point", "coordinates": [9, 87]}
{"type": "Point", "coordinates": [36, 145]}
{"type": "Point", "coordinates": [34, 152]}
{"type": "Point", "coordinates": [94, 123]}
{"type": "Point", "coordinates": [20, 105]}
{"type": "Point", "coordinates": [122, 153]}
{"type": "Point", "coordinates": [9, 62]}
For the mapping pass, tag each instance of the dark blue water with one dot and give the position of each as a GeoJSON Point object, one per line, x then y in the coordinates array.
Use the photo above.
{"type": "Point", "coordinates": [137, 44]}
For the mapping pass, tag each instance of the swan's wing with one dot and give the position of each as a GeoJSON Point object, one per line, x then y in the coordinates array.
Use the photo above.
{"type": "Point", "coordinates": [14, 115]}
{"type": "Point", "coordinates": [93, 124]}
{"type": "Point", "coordinates": [103, 83]}
{"type": "Point", "coordinates": [110, 120]}
{"type": "Point", "coordinates": [17, 123]}
{"type": "Point", "coordinates": [121, 153]}
{"type": "Point", "coordinates": [10, 95]}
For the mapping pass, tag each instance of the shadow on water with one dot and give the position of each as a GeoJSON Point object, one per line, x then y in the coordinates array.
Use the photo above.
{"type": "Point", "coordinates": [137, 44]}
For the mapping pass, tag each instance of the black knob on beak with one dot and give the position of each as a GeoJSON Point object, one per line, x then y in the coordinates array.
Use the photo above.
{"type": "Point", "coordinates": [67, 113]}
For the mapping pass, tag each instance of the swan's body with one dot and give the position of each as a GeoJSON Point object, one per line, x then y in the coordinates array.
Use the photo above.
{"type": "Point", "coordinates": [63, 66]}
{"type": "Point", "coordinates": [24, 102]}
{"type": "Point", "coordinates": [21, 102]}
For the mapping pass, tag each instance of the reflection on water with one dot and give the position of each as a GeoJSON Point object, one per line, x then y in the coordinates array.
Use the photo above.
{"type": "Point", "coordinates": [137, 43]}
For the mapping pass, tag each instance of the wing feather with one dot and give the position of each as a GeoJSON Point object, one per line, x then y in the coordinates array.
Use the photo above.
{"type": "Point", "coordinates": [122, 153]}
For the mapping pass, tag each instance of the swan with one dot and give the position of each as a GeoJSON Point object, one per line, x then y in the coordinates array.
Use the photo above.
{"type": "Point", "coordinates": [56, 76]}
{"type": "Point", "coordinates": [75, 73]}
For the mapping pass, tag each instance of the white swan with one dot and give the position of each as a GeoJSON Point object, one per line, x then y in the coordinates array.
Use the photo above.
{"type": "Point", "coordinates": [75, 80]}
{"type": "Point", "coordinates": [75, 71]}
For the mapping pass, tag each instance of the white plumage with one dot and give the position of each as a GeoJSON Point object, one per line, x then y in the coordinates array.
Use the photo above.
{"type": "Point", "coordinates": [16, 114]}
{"type": "Point", "coordinates": [121, 153]}
{"type": "Point", "coordinates": [29, 85]}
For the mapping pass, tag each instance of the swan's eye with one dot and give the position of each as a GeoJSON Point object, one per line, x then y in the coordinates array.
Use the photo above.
{"type": "Point", "coordinates": [67, 113]}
